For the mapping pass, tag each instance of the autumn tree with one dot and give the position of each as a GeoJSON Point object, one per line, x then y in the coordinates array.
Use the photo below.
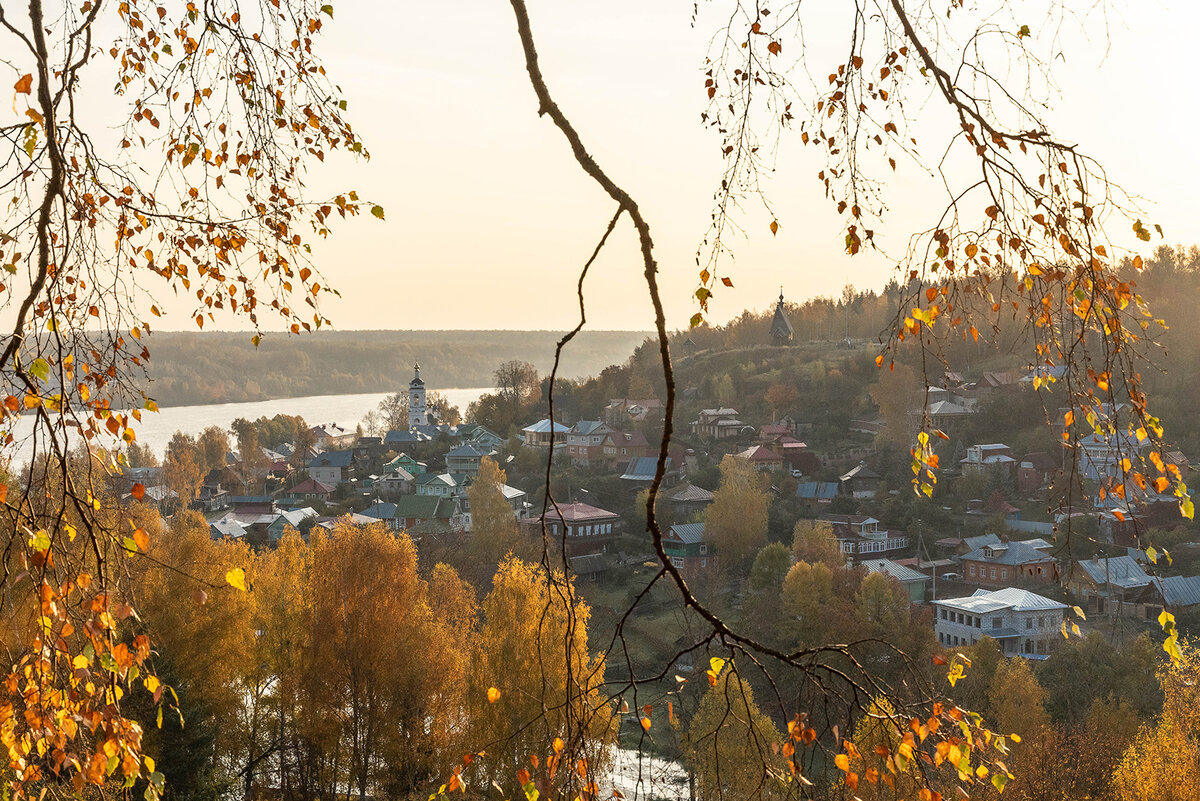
{"type": "Point", "coordinates": [533, 677]}
{"type": "Point", "coordinates": [183, 469]}
{"type": "Point", "coordinates": [393, 412]}
{"type": "Point", "coordinates": [213, 441]}
{"type": "Point", "coordinates": [781, 398]}
{"type": "Point", "coordinates": [814, 541]}
{"type": "Point", "coordinates": [730, 743]}
{"type": "Point", "coordinates": [736, 521]}
{"type": "Point", "coordinates": [494, 530]}
{"type": "Point", "coordinates": [1163, 761]}
{"type": "Point", "coordinates": [763, 589]}
{"type": "Point", "coordinates": [804, 600]}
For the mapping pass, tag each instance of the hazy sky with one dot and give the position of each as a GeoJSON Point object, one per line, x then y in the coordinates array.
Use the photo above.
{"type": "Point", "coordinates": [488, 218]}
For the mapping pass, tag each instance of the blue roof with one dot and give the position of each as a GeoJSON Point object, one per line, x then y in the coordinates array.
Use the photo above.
{"type": "Point", "coordinates": [466, 451]}
{"type": "Point", "coordinates": [238, 500]}
{"type": "Point", "coordinates": [689, 533]}
{"type": "Point", "coordinates": [817, 490]}
{"type": "Point", "coordinates": [333, 459]}
{"type": "Point", "coordinates": [380, 510]}
{"type": "Point", "coordinates": [543, 427]}
{"type": "Point", "coordinates": [400, 436]}
{"type": "Point", "coordinates": [642, 468]}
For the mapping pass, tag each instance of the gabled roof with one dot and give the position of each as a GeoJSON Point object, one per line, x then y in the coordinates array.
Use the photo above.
{"type": "Point", "coordinates": [311, 486]}
{"type": "Point", "coordinates": [1010, 553]}
{"type": "Point", "coordinates": [688, 533]}
{"type": "Point", "coordinates": [1179, 590]}
{"type": "Point", "coordinates": [688, 493]}
{"type": "Point", "coordinates": [860, 471]}
{"type": "Point", "coordinates": [333, 459]}
{"type": "Point", "coordinates": [642, 468]}
{"type": "Point", "coordinates": [586, 426]}
{"type": "Point", "coordinates": [760, 453]}
{"type": "Point", "coordinates": [1119, 571]}
{"type": "Point", "coordinates": [817, 490]}
{"type": "Point", "coordinates": [634, 439]}
{"type": "Point", "coordinates": [445, 479]}
{"type": "Point", "coordinates": [901, 573]}
{"type": "Point", "coordinates": [398, 436]}
{"type": "Point", "coordinates": [397, 474]}
{"type": "Point", "coordinates": [543, 427]}
{"type": "Point", "coordinates": [466, 451]}
{"type": "Point", "coordinates": [230, 529]}
{"type": "Point", "coordinates": [578, 512]}
{"type": "Point", "coordinates": [975, 543]}
{"type": "Point", "coordinates": [983, 601]}
{"type": "Point", "coordinates": [421, 507]}
{"type": "Point", "coordinates": [1039, 460]}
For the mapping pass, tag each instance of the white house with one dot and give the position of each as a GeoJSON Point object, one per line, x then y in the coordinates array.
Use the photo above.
{"type": "Point", "coordinates": [1025, 624]}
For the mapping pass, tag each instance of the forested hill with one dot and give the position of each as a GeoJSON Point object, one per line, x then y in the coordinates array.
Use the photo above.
{"type": "Point", "coordinates": [196, 368]}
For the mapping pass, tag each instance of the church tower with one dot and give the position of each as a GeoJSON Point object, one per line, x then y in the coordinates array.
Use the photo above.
{"type": "Point", "coordinates": [417, 413]}
{"type": "Point", "coordinates": [781, 327]}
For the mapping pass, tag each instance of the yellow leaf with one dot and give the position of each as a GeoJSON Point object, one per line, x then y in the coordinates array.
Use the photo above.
{"type": "Point", "coordinates": [842, 761]}
{"type": "Point", "coordinates": [236, 577]}
{"type": "Point", "coordinates": [646, 724]}
{"type": "Point", "coordinates": [493, 695]}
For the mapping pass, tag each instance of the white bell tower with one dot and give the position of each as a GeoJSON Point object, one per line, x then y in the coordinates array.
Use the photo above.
{"type": "Point", "coordinates": [417, 413]}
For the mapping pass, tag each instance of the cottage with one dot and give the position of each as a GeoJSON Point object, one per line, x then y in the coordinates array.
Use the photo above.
{"type": "Point", "coordinates": [396, 481]}
{"type": "Point", "coordinates": [685, 545]}
{"type": "Point", "coordinates": [332, 467]}
{"type": "Point", "coordinates": [329, 436]}
{"type": "Point", "coordinates": [310, 490]}
{"type": "Point", "coordinates": [1109, 585]}
{"type": "Point", "coordinates": [543, 432]}
{"type": "Point", "coordinates": [620, 412]}
{"type": "Point", "coordinates": [720, 423]}
{"type": "Point", "coordinates": [817, 491]}
{"type": "Point", "coordinates": [860, 481]}
{"type": "Point", "coordinates": [443, 485]}
{"type": "Point", "coordinates": [913, 581]}
{"type": "Point", "coordinates": [620, 446]}
{"type": "Point", "coordinates": [859, 536]}
{"type": "Point", "coordinates": [763, 458]}
{"type": "Point", "coordinates": [641, 469]}
{"type": "Point", "coordinates": [1007, 563]}
{"type": "Point", "coordinates": [585, 442]}
{"type": "Point", "coordinates": [981, 459]}
{"type": "Point", "coordinates": [1023, 623]}
{"type": "Point", "coordinates": [587, 529]}
{"type": "Point", "coordinates": [465, 459]}
{"type": "Point", "coordinates": [687, 501]}
{"type": "Point", "coordinates": [1034, 471]}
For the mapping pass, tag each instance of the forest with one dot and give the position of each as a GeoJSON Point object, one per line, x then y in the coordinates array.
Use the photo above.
{"type": "Point", "coordinates": [190, 368]}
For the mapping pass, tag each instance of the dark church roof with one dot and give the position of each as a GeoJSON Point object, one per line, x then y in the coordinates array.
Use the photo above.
{"type": "Point", "coordinates": [781, 327]}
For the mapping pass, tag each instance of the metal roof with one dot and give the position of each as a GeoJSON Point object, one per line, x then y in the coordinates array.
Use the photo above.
{"type": "Point", "coordinates": [1008, 553]}
{"type": "Point", "coordinates": [901, 573]}
{"type": "Point", "coordinates": [1179, 590]}
{"type": "Point", "coordinates": [1013, 598]}
{"type": "Point", "coordinates": [688, 533]}
{"type": "Point", "coordinates": [1119, 571]}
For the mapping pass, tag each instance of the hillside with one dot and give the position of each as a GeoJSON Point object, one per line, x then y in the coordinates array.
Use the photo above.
{"type": "Point", "coordinates": [199, 368]}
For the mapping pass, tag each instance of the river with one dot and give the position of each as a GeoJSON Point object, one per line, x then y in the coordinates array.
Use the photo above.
{"type": "Point", "coordinates": [156, 429]}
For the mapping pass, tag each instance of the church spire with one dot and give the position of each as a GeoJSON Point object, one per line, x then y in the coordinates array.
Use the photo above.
{"type": "Point", "coordinates": [781, 328]}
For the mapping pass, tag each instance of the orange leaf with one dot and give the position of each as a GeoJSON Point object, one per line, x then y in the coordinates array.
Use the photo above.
{"type": "Point", "coordinates": [138, 491]}
{"type": "Point", "coordinates": [24, 84]}
{"type": "Point", "coordinates": [646, 724]}
{"type": "Point", "coordinates": [493, 695]}
{"type": "Point", "coordinates": [842, 761]}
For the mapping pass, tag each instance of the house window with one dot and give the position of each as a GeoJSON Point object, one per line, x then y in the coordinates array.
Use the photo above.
{"type": "Point", "coordinates": [677, 561]}
{"type": "Point", "coordinates": [1004, 573]}
{"type": "Point", "coordinates": [1028, 623]}
{"type": "Point", "coordinates": [997, 622]}
{"type": "Point", "coordinates": [971, 570]}
{"type": "Point", "coordinates": [703, 548]}
{"type": "Point", "coordinates": [978, 623]}
{"type": "Point", "coordinates": [703, 563]}
{"type": "Point", "coordinates": [993, 572]}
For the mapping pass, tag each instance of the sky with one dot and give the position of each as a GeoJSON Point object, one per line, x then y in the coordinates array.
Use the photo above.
{"type": "Point", "coordinates": [488, 219]}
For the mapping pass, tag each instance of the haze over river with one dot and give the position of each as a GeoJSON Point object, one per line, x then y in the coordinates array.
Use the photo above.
{"type": "Point", "coordinates": [156, 429]}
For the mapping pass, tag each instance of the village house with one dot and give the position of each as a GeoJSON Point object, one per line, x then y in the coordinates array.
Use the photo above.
{"type": "Point", "coordinates": [1005, 564]}
{"type": "Point", "coordinates": [1109, 586]}
{"type": "Point", "coordinates": [540, 434]}
{"type": "Point", "coordinates": [685, 546]}
{"type": "Point", "coordinates": [981, 459]}
{"type": "Point", "coordinates": [310, 490]}
{"type": "Point", "coordinates": [482, 436]}
{"type": "Point", "coordinates": [1034, 471]}
{"type": "Point", "coordinates": [860, 481]}
{"type": "Point", "coordinates": [619, 446]}
{"type": "Point", "coordinates": [763, 458]}
{"type": "Point", "coordinates": [407, 463]}
{"type": "Point", "coordinates": [1025, 624]}
{"type": "Point", "coordinates": [331, 436]}
{"type": "Point", "coordinates": [464, 459]}
{"type": "Point", "coordinates": [913, 581]}
{"type": "Point", "coordinates": [721, 423]}
{"type": "Point", "coordinates": [994, 506]}
{"type": "Point", "coordinates": [814, 492]}
{"type": "Point", "coordinates": [585, 442]}
{"type": "Point", "coordinates": [860, 536]}
{"type": "Point", "coordinates": [641, 469]}
{"type": "Point", "coordinates": [686, 501]}
{"type": "Point", "coordinates": [332, 467]}
{"type": "Point", "coordinates": [443, 485]}
{"type": "Point", "coordinates": [587, 529]}
{"type": "Point", "coordinates": [410, 511]}
{"type": "Point", "coordinates": [396, 481]}
{"type": "Point", "coordinates": [621, 412]}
